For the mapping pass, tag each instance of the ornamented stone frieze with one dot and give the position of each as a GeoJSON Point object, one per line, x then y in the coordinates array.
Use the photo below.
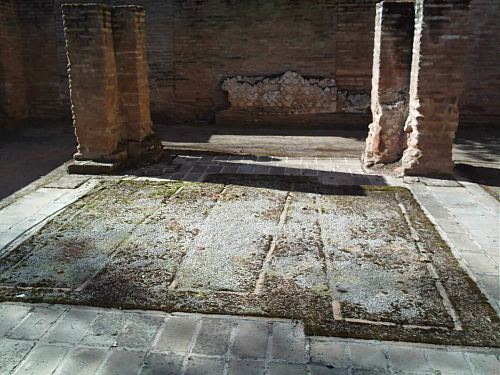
{"type": "Point", "coordinates": [290, 93]}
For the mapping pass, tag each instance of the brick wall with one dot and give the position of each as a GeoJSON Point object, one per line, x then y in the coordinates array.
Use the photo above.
{"type": "Point", "coordinates": [46, 79]}
{"type": "Point", "coordinates": [193, 45]}
{"type": "Point", "coordinates": [131, 68]}
{"type": "Point", "coordinates": [480, 103]}
{"type": "Point", "coordinates": [355, 28]}
{"type": "Point", "coordinates": [13, 92]}
{"type": "Point", "coordinates": [216, 39]}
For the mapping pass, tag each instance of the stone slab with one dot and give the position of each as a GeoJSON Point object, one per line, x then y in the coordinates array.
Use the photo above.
{"type": "Point", "coordinates": [224, 257]}
{"type": "Point", "coordinates": [12, 352]}
{"type": "Point", "coordinates": [168, 245]}
{"type": "Point", "coordinates": [89, 167]}
{"type": "Point", "coordinates": [43, 359]}
{"type": "Point", "coordinates": [82, 361]}
{"type": "Point", "coordinates": [377, 264]}
{"type": "Point", "coordinates": [68, 182]}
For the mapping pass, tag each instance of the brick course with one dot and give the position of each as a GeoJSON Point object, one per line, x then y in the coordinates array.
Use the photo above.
{"type": "Point", "coordinates": [192, 46]}
{"type": "Point", "coordinates": [13, 95]}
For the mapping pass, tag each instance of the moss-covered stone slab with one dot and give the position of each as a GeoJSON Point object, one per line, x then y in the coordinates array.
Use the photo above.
{"type": "Point", "coordinates": [379, 272]}
{"type": "Point", "coordinates": [229, 250]}
{"type": "Point", "coordinates": [349, 261]}
{"type": "Point", "coordinates": [75, 245]}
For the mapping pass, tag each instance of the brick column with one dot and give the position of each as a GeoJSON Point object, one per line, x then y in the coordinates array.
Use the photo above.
{"type": "Point", "coordinates": [392, 56]}
{"type": "Point", "coordinates": [440, 47]}
{"type": "Point", "coordinates": [129, 37]}
{"type": "Point", "coordinates": [13, 93]}
{"type": "Point", "coordinates": [93, 81]}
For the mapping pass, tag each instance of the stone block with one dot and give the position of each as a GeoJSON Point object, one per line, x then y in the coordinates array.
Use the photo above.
{"type": "Point", "coordinates": [139, 332]}
{"type": "Point", "coordinates": [329, 353]}
{"type": "Point", "coordinates": [213, 338]}
{"type": "Point", "coordinates": [122, 362]}
{"type": "Point", "coordinates": [92, 167]}
{"type": "Point", "coordinates": [247, 367]}
{"type": "Point", "coordinates": [10, 316]}
{"type": "Point", "coordinates": [160, 364]}
{"type": "Point", "coordinates": [177, 334]}
{"type": "Point", "coordinates": [327, 370]}
{"type": "Point", "coordinates": [12, 353]}
{"type": "Point", "coordinates": [82, 361]}
{"type": "Point", "coordinates": [480, 263]}
{"type": "Point", "coordinates": [204, 366]}
{"type": "Point", "coordinates": [71, 327]}
{"type": "Point", "coordinates": [68, 182]}
{"type": "Point", "coordinates": [36, 324]}
{"type": "Point", "coordinates": [287, 343]}
{"type": "Point", "coordinates": [367, 356]}
{"type": "Point", "coordinates": [408, 359]}
{"type": "Point", "coordinates": [250, 339]}
{"type": "Point", "coordinates": [43, 359]}
{"type": "Point", "coordinates": [484, 363]}
{"type": "Point", "coordinates": [448, 362]}
{"type": "Point", "coordinates": [286, 369]}
{"type": "Point", "coordinates": [104, 330]}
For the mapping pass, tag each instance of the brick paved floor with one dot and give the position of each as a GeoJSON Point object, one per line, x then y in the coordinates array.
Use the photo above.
{"type": "Point", "coordinates": [40, 339]}
{"type": "Point", "coordinates": [48, 339]}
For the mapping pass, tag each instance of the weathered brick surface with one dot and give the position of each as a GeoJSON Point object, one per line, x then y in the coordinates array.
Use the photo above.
{"type": "Point", "coordinates": [13, 93]}
{"type": "Point", "coordinates": [129, 38]}
{"type": "Point", "coordinates": [192, 46]}
{"type": "Point", "coordinates": [45, 68]}
{"type": "Point", "coordinates": [436, 85]}
{"type": "Point", "coordinates": [354, 47]}
{"type": "Point", "coordinates": [392, 58]}
{"type": "Point", "coordinates": [480, 103]}
{"type": "Point", "coordinates": [93, 80]}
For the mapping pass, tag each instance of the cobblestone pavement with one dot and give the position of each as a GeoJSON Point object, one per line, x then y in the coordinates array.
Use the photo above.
{"type": "Point", "coordinates": [48, 339]}
{"type": "Point", "coordinates": [41, 339]}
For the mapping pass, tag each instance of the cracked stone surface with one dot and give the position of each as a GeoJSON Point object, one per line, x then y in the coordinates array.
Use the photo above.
{"type": "Point", "coordinates": [348, 261]}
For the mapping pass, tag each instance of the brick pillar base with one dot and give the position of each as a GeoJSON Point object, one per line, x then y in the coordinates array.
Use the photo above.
{"type": "Point", "coordinates": [440, 48]}
{"type": "Point", "coordinates": [394, 24]}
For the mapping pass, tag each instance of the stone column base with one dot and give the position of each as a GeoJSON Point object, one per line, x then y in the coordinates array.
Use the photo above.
{"type": "Point", "coordinates": [148, 151]}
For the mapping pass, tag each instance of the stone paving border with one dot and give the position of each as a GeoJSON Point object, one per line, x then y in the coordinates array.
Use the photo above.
{"type": "Point", "coordinates": [466, 215]}
{"type": "Point", "coordinates": [18, 219]}
{"type": "Point", "coordinates": [59, 339]}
